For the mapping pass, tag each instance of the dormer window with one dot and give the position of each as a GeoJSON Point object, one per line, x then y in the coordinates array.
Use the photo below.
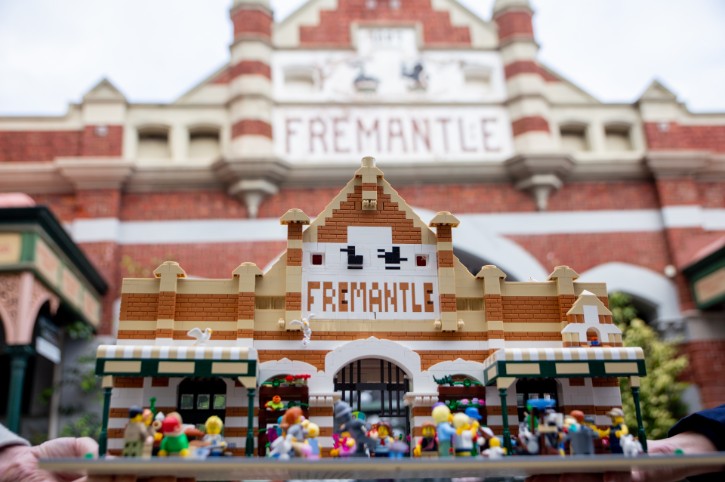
{"type": "Point", "coordinates": [618, 138]}
{"type": "Point", "coordinates": [574, 137]}
{"type": "Point", "coordinates": [153, 143]}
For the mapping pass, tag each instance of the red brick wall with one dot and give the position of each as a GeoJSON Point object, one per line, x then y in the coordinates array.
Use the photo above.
{"type": "Point", "coordinates": [350, 213]}
{"type": "Point", "coordinates": [110, 145]}
{"type": "Point", "coordinates": [707, 358]}
{"type": "Point", "coordinates": [529, 124]}
{"type": "Point", "coordinates": [334, 27]}
{"type": "Point", "coordinates": [38, 146]}
{"type": "Point", "coordinates": [535, 309]}
{"type": "Point", "coordinates": [251, 21]}
{"type": "Point", "coordinates": [685, 137]}
{"type": "Point", "coordinates": [514, 24]}
{"type": "Point", "coordinates": [585, 251]}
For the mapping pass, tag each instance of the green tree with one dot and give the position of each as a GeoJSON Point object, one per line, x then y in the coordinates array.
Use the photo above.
{"type": "Point", "coordinates": [661, 390]}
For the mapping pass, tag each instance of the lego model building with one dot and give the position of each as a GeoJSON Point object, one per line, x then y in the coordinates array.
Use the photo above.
{"type": "Point", "coordinates": [370, 305]}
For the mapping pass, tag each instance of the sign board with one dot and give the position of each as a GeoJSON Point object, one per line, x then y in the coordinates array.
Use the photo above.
{"type": "Point", "coordinates": [370, 278]}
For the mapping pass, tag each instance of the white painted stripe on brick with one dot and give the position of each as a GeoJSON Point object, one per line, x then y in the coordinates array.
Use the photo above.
{"type": "Point", "coordinates": [248, 230]}
{"type": "Point", "coordinates": [682, 216]}
{"type": "Point", "coordinates": [713, 219]}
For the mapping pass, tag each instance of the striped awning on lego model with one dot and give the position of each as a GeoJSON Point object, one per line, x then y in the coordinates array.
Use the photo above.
{"type": "Point", "coordinates": [177, 361]}
{"type": "Point", "coordinates": [564, 363]}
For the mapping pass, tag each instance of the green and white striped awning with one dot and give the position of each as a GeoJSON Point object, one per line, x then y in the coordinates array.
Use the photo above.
{"type": "Point", "coordinates": [178, 361]}
{"type": "Point", "coordinates": [563, 363]}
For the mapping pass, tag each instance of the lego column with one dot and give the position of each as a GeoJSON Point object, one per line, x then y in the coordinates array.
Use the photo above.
{"type": "Point", "coordinates": [19, 355]}
{"type": "Point", "coordinates": [250, 101]}
{"type": "Point", "coordinates": [444, 222]}
{"type": "Point", "coordinates": [493, 305]}
{"type": "Point", "coordinates": [294, 219]}
{"type": "Point", "coordinates": [247, 274]}
{"type": "Point", "coordinates": [535, 168]}
{"type": "Point", "coordinates": [169, 273]}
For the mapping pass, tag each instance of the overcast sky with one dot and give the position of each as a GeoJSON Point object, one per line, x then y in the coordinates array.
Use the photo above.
{"type": "Point", "coordinates": [52, 51]}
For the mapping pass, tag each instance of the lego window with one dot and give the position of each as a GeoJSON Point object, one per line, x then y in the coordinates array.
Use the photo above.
{"type": "Point", "coordinates": [421, 260]}
{"type": "Point", "coordinates": [186, 402]}
{"type": "Point", "coordinates": [204, 143]}
{"type": "Point", "coordinates": [317, 259]}
{"type": "Point", "coordinates": [617, 137]}
{"type": "Point", "coordinates": [220, 402]}
{"type": "Point", "coordinates": [202, 401]}
{"type": "Point", "coordinates": [533, 388]}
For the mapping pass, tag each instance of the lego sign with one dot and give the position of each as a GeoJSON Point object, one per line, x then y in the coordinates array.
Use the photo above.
{"type": "Point", "coordinates": [370, 278]}
{"type": "Point", "coordinates": [405, 134]}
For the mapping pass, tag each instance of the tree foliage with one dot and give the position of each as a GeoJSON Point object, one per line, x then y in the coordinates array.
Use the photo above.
{"type": "Point", "coordinates": [660, 391]}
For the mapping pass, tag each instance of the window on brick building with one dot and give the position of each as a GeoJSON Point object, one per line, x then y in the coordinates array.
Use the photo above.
{"type": "Point", "coordinates": [300, 79]}
{"type": "Point", "coordinates": [153, 143]}
{"type": "Point", "coordinates": [204, 143]}
{"type": "Point", "coordinates": [317, 259]}
{"type": "Point", "coordinates": [477, 78]}
{"type": "Point", "coordinates": [574, 137]}
{"type": "Point", "coordinates": [617, 137]}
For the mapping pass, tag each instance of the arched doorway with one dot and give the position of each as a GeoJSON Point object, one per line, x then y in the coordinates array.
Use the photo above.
{"type": "Point", "coordinates": [376, 387]}
{"type": "Point", "coordinates": [200, 398]}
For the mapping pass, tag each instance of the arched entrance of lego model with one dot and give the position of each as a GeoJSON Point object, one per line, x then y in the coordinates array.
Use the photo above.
{"type": "Point", "coordinates": [200, 398]}
{"type": "Point", "coordinates": [532, 388]}
{"type": "Point", "coordinates": [377, 388]}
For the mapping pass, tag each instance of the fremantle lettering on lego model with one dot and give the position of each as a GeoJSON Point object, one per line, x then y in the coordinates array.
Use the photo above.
{"type": "Point", "coordinates": [387, 297]}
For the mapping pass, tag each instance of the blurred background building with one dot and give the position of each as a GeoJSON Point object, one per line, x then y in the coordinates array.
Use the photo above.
{"type": "Point", "coordinates": [462, 117]}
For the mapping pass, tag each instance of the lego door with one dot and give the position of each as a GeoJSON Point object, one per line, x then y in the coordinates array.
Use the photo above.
{"type": "Point", "coordinates": [200, 398]}
{"type": "Point", "coordinates": [533, 388]}
{"type": "Point", "coordinates": [376, 388]}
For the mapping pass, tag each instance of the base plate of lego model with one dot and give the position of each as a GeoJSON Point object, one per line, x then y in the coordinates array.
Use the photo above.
{"type": "Point", "coordinates": [239, 468]}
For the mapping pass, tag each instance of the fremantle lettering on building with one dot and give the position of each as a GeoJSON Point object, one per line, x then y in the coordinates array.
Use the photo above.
{"type": "Point", "coordinates": [372, 299]}
{"type": "Point", "coordinates": [427, 134]}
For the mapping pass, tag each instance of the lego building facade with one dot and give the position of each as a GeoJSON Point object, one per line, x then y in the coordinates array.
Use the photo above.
{"type": "Point", "coordinates": [391, 311]}
{"type": "Point", "coordinates": [463, 117]}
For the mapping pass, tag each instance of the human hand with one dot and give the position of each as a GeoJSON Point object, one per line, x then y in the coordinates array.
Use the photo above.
{"type": "Point", "coordinates": [20, 463]}
{"type": "Point", "coordinates": [688, 443]}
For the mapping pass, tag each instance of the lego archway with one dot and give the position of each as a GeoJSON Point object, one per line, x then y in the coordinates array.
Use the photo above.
{"type": "Point", "coordinates": [475, 241]}
{"type": "Point", "coordinates": [641, 282]}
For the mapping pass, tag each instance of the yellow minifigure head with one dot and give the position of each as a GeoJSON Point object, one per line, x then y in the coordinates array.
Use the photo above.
{"type": "Point", "coordinates": [440, 414]}
{"type": "Point", "coordinates": [494, 442]}
{"type": "Point", "coordinates": [383, 430]}
{"type": "Point", "coordinates": [617, 415]}
{"type": "Point", "coordinates": [313, 430]}
{"type": "Point", "coordinates": [428, 430]}
{"type": "Point", "coordinates": [147, 416]}
{"type": "Point", "coordinates": [461, 421]}
{"type": "Point", "coordinates": [214, 425]}
{"type": "Point", "coordinates": [135, 414]}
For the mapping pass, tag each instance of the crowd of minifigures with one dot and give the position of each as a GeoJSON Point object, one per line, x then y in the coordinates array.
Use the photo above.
{"type": "Point", "coordinates": [543, 432]}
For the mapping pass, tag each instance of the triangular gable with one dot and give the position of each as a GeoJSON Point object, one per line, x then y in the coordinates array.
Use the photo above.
{"type": "Point", "coordinates": [329, 23]}
{"type": "Point", "coordinates": [561, 89]}
{"type": "Point", "coordinates": [656, 91]}
{"type": "Point", "coordinates": [369, 263]}
{"type": "Point", "coordinates": [104, 91]}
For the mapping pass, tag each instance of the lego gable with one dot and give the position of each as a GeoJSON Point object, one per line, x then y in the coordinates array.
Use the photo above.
{"type": "Point", "coordinates": [366, 275]}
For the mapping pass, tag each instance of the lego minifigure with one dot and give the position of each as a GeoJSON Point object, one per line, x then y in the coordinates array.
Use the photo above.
{"type": "Point", "coordinates": [136, 434]}
{"type": "Point", "coordinates": [345, 422]}
{"type": "Point", "coordinates": [631, 447]}
{"type": "Point", "coordinates": [579, 435]}
{"type": "Point", "coordinates": [213, 440]}
{"type": "Point", "coordinates": [312, 430]}
{"type": "Point", "coordinates": [382, 441]}
{"type": "Point", "coordinates": [494, 450]}
{"type": "Point", "coordinates": [442, 418]}
{"type": "Point", "coordinates": [428, 444]}
{"type": "Point", "coordinates": [175, 441]}
{"type": "Point", "coordinates": [616, 431]}
{"type": "Point", "coordinates": [463, 439]}
{"type": "Point", "coordinates": [343, 445]}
